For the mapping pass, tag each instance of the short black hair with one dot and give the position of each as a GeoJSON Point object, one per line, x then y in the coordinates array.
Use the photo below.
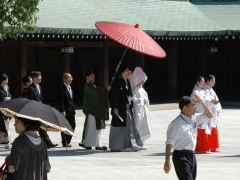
{"type": "Point", "coordinates": [209, 77]}
{"type": "Point", "coordinates": [198, 79]}
{"type": "Point", "coordinates": [87, 72]}
{"type": "Point", "coordinates": [184, 101]}
{"type": "Point", "coordinates": [123, 67]}
{"type": "Point", "coordinates": [30, 124]}
{"type": "Point", "coordinates": [35, 74]}
{"type": "Point", "coordinates": [26, 79]}
{"type": "Point", "coordinates": [3, 77]}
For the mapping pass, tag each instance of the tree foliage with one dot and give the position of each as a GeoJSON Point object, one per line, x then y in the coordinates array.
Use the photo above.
{"type": "Point", "coordinates": [17, 16]}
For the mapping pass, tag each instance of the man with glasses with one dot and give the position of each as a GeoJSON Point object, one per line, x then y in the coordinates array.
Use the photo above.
{"type": "Point", "coordinates": [182, 136]}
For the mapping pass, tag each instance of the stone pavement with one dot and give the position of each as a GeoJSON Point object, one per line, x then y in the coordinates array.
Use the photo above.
{"type": "Point", "coordinates": [78, 164]}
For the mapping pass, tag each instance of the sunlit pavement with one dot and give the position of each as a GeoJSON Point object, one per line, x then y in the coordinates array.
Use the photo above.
{"type": "Point", "coordinates": [76, 163]}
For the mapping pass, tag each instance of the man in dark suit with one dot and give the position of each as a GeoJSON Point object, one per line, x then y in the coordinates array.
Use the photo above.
{"type": "Point", "coordinates": [35, 93]}
{"type": "Point", "coordinates": [67, 107]}
{"type": "Point", "coordinates": [27, 81]}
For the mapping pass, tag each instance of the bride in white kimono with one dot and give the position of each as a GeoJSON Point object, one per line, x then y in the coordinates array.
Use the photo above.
{"type": "Point", "coordinates": [140, 103]}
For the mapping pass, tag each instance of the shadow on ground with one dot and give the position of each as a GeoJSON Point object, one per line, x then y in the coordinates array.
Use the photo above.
{"type": "Point", "coordinates": [155, 154]}
{"type": "Point", "coordinates": [232, 156]}
{"type": "Point", "coordinates": [73, 152]}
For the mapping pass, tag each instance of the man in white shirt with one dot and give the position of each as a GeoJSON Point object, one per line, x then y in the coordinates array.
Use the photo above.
{"type": "Point", "coordinates": [182, 135]}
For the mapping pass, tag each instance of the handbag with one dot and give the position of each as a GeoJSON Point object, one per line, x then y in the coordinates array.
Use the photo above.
{"type": "Point", "coordinates": [4, 172]}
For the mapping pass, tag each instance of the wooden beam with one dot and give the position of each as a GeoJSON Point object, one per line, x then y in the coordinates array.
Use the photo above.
{"type": "Point", "coordinates": [63, 43]}
{"type": "Point", "coordinates": [75, 44]}
{"type": "Point", "coordinates": [12, 43]}
{"type": "Point", "coordinates": [172, 71]}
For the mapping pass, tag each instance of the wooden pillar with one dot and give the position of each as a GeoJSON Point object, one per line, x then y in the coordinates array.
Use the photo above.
{"type": "Point", "coordinates": [23, 61]}
{"type": "Point", "coordinates": [105, 64]}
{"type": "Point", "coordinates": [172, 71]}
{"type": "Point", "coordinates": [229, 57]}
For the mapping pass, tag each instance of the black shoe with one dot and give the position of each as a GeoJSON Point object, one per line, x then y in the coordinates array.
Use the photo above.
{"type": "Point", "coordinates": [87, 148]}
{"type": "Point", "coordinates": [101, 148]}
{"type": "Point", "coordinates": [69, 145]}
{"type": "Point", "coordinates": [52, 145]}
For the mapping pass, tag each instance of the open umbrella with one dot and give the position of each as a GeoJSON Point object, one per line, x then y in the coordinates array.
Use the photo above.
{"type": "Point", "coordinates": [51, 119]}
{"type": "Point", "coordinates": [130, 37]}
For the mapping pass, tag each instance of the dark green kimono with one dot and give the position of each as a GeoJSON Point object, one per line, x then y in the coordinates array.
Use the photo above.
{"type": "Point", "coordinates": [95, 102]}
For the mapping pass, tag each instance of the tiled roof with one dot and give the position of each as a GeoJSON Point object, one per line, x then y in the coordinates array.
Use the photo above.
{"type": "Point", "coordinates": [157, 17]}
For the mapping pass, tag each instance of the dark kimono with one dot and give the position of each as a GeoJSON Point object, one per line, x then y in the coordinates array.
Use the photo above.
{"type": "Point", "coordinates": [4, 95]}
{"type": "Point", "coordinates": [29, 160]}
{"type": "Point", "coordinates": [119, 95]}
{"type": "Point", "coordinates": [123, 133]}
{"type": "Point", "coordinates": [95, 102]}
{"type": "Point", "coordinates": [24, 93]}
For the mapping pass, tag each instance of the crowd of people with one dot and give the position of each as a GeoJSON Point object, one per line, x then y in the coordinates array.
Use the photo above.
{"type": "Point", "coordinates": [195, 130]}
{"type": "Point", "coordinates": [129, 127]}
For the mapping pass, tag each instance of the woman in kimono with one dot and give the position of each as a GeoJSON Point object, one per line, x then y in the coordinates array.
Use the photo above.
{"type": "Point", "coordinates": [204, 129]}
{"type": "Point", "coordinates": [28, 159]}
{"type": "Point", "coordinates": [140, 104]}
{"type": "Point", "coordinates": [4, 122]}
{"type": "Point", "coordinates": [213, 101]}
{"type": "Point", "coordinates": [123, 132]}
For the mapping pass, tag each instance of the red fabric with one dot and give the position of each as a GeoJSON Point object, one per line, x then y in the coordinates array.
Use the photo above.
{"type": "Point", "coordinates": [202, 141]}
{"type": "Point", "coordinates": [213, 139]}
{"type": "Point", "coordinates": [2, 169]}
{"type": "Point", "coordinates": [131, 37]}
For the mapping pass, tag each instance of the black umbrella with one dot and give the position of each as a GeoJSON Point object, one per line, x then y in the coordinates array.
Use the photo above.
{"type": "Point", "coordinates": [51, 119]}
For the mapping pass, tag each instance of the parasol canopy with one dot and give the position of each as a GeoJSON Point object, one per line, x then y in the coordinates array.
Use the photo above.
{"type": "Point", "coordinates": [131, 37]}
{"type": "Point", "coordinates": [51, 119]}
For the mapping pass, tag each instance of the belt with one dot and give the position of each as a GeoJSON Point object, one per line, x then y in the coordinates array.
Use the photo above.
{"type": "Point", "coordinates": [184, 151]}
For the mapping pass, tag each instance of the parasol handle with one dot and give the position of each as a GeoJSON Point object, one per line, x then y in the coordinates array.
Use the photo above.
{"type": "Point", "coordinates": [119, 64]}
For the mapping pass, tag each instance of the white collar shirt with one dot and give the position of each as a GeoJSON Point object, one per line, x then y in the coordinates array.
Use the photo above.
{"type": "Point", "coordinates": [69, 89]}
{"type": "Point", "coordinates": [38, 88]}
{"type": "Point", "coordinates": [182, 132]}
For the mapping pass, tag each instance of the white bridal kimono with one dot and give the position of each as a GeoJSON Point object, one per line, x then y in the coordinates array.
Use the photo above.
{"type": "Point", "coordinates": [216, 108]}
{"type": "Point", "coordinates": [140, 104]}
{"type": "Point", "coordinates": [199, 108]}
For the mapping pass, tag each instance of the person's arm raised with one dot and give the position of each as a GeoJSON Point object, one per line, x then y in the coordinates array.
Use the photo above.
{"type": "Point", "coordinates": [205, 107]}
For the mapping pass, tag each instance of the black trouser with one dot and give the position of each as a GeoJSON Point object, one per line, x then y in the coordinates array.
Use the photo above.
{"type": "Point", "coordinates": [185, 164]}
{"type": "Point", "coordinates": [46, 138]}
{"type": "Point", "coordinates": [67, 138]}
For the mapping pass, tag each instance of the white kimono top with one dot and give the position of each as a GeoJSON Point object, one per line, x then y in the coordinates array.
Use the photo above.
{"type": "Point", "coordinates": [199, 109]}
{"type": "Point", "coordinates": [216, 108]}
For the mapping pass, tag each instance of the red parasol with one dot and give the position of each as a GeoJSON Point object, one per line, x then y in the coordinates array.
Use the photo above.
{"type": "Point", "coordinates": [131, 37]}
